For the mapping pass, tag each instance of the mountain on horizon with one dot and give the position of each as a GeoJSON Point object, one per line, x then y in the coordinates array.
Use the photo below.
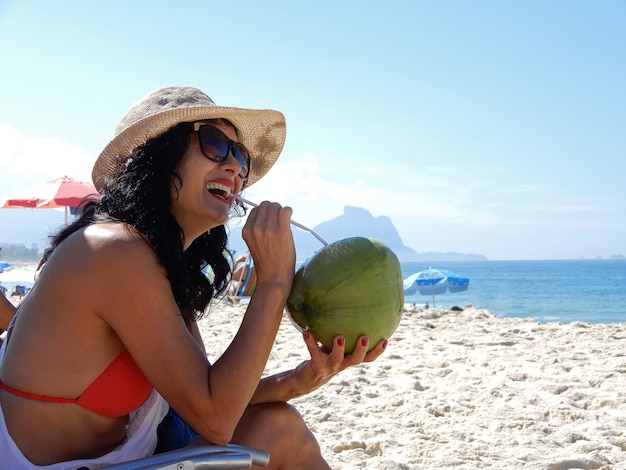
{"type": "Point", "coordinates": [357, 222]}
{"type": "Point", "coordinates": [28, 226]}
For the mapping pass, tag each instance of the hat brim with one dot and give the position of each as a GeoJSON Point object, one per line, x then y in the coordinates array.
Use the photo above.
{"type": "Point", "coordinates": [262, 131]}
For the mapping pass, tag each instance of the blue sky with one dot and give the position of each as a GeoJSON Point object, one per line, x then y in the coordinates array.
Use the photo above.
{"type": "Point", "coordinates": [491, 127]}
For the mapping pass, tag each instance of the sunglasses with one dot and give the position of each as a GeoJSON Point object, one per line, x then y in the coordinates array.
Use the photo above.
{"type": "Point", "coordinates": [216, 146]}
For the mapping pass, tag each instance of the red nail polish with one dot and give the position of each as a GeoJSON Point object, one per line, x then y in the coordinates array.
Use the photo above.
{"type": "Point", "coordinates": [306, 334]}
{"type": "Point", "coordinates": [364, 341]}
{"type": "Point", "coordinates": [341, 341]}
{"type": "Point", "coordinates": [385, 344]}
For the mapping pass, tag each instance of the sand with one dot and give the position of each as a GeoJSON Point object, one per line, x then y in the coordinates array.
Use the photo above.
{"type": "Point", "coordinates": [465, 390]}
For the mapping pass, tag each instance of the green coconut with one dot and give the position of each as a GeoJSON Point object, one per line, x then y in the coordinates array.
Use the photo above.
{"type": "Point", "coordinates": [352, 287]}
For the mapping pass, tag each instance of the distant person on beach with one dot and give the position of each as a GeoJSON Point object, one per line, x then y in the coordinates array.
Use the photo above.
{"type": "Point", "coordinates": [112, 316]}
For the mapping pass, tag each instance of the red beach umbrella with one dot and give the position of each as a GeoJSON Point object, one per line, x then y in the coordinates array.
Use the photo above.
{"type": "Point", "coordinates": [60, 192]}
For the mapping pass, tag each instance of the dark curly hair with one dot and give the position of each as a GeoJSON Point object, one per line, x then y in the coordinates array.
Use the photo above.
{"type": "Point", "coordinates": [141, 198]}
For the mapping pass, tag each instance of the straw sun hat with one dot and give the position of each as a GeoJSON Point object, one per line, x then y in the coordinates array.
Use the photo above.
{"type": "Point", "coordinates": [262, 131]}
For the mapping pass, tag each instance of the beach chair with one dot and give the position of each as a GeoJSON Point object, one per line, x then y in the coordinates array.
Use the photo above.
{"type": "Point", "coordinates": [244, 279]}
{"type": "Point", "coordinates": [19, 291]}
{"type": "Point", "coordinates": [200, 458]}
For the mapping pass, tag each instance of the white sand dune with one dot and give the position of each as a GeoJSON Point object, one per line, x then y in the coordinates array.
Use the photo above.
{"type": "Point", "coordinates": [466, 390]}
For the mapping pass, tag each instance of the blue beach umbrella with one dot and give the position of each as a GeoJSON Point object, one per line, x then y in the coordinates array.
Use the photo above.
{"type": "Point", "coordinates": [5, 267]}
{"type": "Point", "coordinates": [435, 282]}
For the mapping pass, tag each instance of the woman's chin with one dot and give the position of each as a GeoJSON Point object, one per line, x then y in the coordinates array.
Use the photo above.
{"type": "Point", "coordinates": [218, 218]}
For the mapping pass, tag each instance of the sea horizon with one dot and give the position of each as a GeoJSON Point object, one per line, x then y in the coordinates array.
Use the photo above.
{"type": "Point", "coordinates": [586, 290]}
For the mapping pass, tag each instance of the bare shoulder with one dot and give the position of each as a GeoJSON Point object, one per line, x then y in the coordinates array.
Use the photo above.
{"type": "Point", "coordinates": [115, 239]}
{"type": "Point", "coordinates": [106, 258]}
{"type": "Point", "coordinates": [105, 245]}
{"type": "Point", "coordinates": [120, 273]}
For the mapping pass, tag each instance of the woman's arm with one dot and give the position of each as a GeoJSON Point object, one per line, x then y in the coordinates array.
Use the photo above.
{"type": "Point", "coordinates": [144, 315]}
{"type": "Point", "coordinates": [195, 333]}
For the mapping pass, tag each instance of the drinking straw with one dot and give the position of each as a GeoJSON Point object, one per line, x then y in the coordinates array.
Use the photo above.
{"type": "Point", "coordinates": [293, 222]}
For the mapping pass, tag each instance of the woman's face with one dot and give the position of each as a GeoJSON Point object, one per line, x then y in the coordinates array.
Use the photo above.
{"type": "Point", "coordinates": [208, 188]}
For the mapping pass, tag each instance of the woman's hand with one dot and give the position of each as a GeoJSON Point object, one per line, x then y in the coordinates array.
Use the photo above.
{"type": "Point", "coordinates": [267, 233]}
{"type": "Point", "coordinates": [324, 365]}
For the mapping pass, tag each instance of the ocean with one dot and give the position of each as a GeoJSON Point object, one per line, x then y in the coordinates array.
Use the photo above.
{"type": "Point", "coordinates": [592, 291]}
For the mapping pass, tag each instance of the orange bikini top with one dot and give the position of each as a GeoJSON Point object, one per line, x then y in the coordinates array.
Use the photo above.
{"type": "Point", "coordinates": [118, 390]}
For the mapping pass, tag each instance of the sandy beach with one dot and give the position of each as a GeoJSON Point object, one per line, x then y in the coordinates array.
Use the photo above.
{"type": "Point", "coordinates": [465, 390]}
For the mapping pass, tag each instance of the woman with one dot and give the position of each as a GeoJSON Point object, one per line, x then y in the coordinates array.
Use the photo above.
{"type": "Point", "coordinates": [125, 334]}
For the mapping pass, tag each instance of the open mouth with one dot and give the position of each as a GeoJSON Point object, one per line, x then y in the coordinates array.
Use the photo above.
{"type": "Point", "coordinates": [219, 190]}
